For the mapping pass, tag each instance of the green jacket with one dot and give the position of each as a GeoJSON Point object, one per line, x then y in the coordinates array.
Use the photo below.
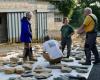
{"type": "Point", "coordinates": [66, 31]}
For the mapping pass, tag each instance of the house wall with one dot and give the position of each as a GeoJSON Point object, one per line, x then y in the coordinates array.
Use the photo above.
{"type": "Point", "coordinates": [42, 6]}
{"type": "Point", "coordinates": [15, 11]}
{"type": "Point", "coordinates": [53, 27]}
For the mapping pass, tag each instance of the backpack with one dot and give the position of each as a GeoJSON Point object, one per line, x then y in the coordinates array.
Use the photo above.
{"type": "Point", "coordinates": [96, 24]}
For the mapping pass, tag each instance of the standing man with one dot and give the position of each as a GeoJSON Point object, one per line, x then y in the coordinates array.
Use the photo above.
{"type": "Point", "coordinates": [89, 27]}
{"type": "Point", "coordinates": [66, 33]}
{"type": "Point", "coordinates": [26, 36]}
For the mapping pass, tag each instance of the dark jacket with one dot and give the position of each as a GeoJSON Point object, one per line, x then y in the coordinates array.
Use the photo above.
{"type": "Point", "coordinates": [26, 32]}
{"type": "Point", "coordinates": [66, 31]}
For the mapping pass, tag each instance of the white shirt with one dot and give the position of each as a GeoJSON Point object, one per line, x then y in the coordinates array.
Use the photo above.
{"type": "Point", "coordinates": [52, 48]}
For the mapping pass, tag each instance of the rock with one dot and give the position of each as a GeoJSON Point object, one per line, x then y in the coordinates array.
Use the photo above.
{"type": "Point", "coordinates": [20, 56]}
{"type": "Point", "coordinates": [13, 60]}
{"type": "Point", "coordinates": [81, 61]}
{"type": "Point", "coordinates": [2, 69]}
{"type": "Point", "coordinates": [37, 47]}
{"type": "Point", "coordinates": [29, 62]}
{"type": "Point", "coordinates": [25, 78]}
{"type": "Point", "coordinates": [3, 54]}
{"type": "Point", "coordinates": [27, 75]}
{"type": "Point", "coordinates": [12, 64]}
{"type": "Point", "coordinates": [40, 51]}
{"type": "Point", "coordinates": [70, 77]}
{"type": "Point", "coordinates": [81, 67]}
{"type": "Point", "coordinates": [34, 59]}
{"type": "Point", "coordinates": [57, 66]}
{"type": "Point", "coordinates": [9, 70]}
{"type": "Point", "coordinates": [80, 49]}
{"type": "Point", "coordinates": [20, 62]}
{"type": "Point", "coordinates": [66, 69]}
{"type": "Point", "coordinates": [42, 75]}
{"type": "Point", "coordinates": [81, 70]}
{"type": "Point", "coordinates": [62, 78]}
{"type": "Point", "coordinates": [1, 61]}
{"type": "Point", "coordinates": [40, 69]}
{"type": "Point", "coordinates": [27, 66]}
{"type": "Point", "coordinates": [19, 70]}
{"type": "Point", "coordinates": [67, 59]}
{"type": "Point", "coordinates": [12, 78]}
{"type": "Point", "coordinates": [36, 55]}
{"type": "Point", "coordinates": [28, 71]}
{"type": "Point", "coordinates": [77, 58]}
{"type": "Point", "coordinates": [6, 62]}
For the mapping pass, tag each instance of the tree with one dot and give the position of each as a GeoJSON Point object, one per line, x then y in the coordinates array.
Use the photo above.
{"type": "Point", "coordinates": [64, 6]}
{"type": "Point", "coordinates": [77, 17]}
{"type": "Point", "coordinates": [87, 3]}
{"type": "Point", "coordinates": [74, 10]}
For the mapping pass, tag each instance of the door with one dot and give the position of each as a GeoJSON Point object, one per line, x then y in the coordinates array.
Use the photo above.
{"type": "Point", "coordinates": [41, 27]}
{"type": "Point", "coordinates": [3, 28]}
{"type": "Point", "coordinates": [14, 25]}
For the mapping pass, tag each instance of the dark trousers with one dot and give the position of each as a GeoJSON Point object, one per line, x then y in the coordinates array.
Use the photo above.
{"type": "Point", "coordinates": [68, 42]}
{"type": "Point", "coordinates": [27, 51]}
{"type": "Point", "coordinates": [90, 46]}
{"type": "Point", "coordinates": [55, 61]}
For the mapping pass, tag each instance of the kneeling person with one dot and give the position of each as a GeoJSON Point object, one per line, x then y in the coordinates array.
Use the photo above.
{"type": "Point", "coordinates": [52, 52]}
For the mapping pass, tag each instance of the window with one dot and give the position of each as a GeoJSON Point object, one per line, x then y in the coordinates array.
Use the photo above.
{"type": "Point", "coordinates": [58, 17]}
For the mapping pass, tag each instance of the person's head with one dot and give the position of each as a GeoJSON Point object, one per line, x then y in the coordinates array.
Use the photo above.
{"type": "Point", "coordinates": [29, 15]}
{"type": "Point", "coordinates": [46, 38]}
{"type": "Point", "coordinates": [66, 20]}
{"type": "Point", "coordinates": [87, 11]}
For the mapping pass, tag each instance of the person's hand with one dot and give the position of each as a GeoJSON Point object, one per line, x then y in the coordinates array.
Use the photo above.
{"type": "Point", "coordinates": [80, 31]}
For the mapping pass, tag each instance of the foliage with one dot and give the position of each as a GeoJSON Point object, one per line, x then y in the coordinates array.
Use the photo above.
{"type": "Point", "coordinates": [77, 17]}
{"type": "Point", "coordinates": [64, 6]}
{"type": "Point", "coordinates": [75, 11]}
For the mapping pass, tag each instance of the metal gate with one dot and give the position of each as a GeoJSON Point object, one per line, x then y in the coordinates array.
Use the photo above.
{"type": "Point", "coordinates": [41, 25]}
{"type": "Point", "coordinates": [14, 26]}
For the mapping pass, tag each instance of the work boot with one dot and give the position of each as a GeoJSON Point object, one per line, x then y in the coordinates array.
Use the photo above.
{"type": "Point", "coordinates": [67, 56]}
{"type": "Point", "coordinates": [30, 54]}
{"type": "Point", "coordinates": [96, 62]}
{"type": "Point", "coordinates": [25, 54]}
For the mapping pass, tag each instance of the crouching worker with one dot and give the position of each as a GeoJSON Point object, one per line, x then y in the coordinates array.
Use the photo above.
{"type": "Point", "coordinates": [26, 36]}
{"type": "Point", "coordinates": [51, 50]}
